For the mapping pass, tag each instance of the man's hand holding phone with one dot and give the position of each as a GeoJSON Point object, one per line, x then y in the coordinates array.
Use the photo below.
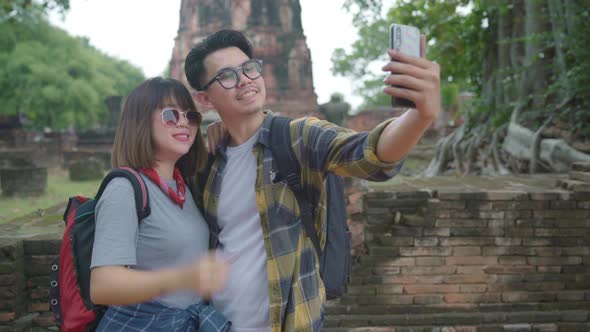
{"type": "Point", "coordinates": [415, 79]}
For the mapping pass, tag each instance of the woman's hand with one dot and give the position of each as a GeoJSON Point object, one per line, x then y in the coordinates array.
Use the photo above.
{"type": "Point", "coordinates": [206, 276]}
{"type": "Point", "coordinates": [118, 285]}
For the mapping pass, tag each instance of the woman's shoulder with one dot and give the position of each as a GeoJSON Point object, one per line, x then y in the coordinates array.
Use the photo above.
{"type": "Point", "coordinates": [117, 191]}
{"type": "Point", "coordinates": [119, 185]}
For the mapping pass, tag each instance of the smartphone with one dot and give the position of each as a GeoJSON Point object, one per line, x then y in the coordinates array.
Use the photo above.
{"type": "Point", "coordinates": [405, 39]}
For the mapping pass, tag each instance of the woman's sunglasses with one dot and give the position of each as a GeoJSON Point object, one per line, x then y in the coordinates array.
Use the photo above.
{"type": "Point", "coordinates": [171, 117]}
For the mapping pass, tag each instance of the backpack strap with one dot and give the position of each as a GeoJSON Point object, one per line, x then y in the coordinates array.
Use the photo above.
{"type": "Point", "coordinates": [201, 181]}
{"type": "Point", "coordinates": [139, 189]}
{"type": "Point", "coordinates": [289, 169]}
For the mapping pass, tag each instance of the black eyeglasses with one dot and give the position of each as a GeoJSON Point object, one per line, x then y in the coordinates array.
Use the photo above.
{"type": "Point", "coordinates": [171, 117]}
{"type": "Point", "coordinates": [229, 78]}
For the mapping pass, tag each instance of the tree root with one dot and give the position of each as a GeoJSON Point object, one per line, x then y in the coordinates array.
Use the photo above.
{"type": "Point", "coordinates": [457, 151]}
{"type": "Point", "coordinates": [438, 164]}
{"type": "Point", "coordinates": [498, 164]}
{"type": "Point", "coordinates": [472, 148]}
{"type": "Point", "coordinates": [520, 151]}
{"type": "Point", "coordinates": [536, 147]}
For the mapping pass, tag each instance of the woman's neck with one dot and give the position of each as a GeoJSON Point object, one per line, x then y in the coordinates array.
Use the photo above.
{"type": "Point", "coordinates": [165, 170]}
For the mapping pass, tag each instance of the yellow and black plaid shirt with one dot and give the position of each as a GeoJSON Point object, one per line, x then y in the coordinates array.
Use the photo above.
{"type": "Point", "coordinates": [295, 289]}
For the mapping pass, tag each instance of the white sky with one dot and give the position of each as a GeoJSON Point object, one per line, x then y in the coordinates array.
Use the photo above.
{"type": "Point", "coordinates": [143, 31]}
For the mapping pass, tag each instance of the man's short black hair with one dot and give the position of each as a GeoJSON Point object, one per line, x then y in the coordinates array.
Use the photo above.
{"type": "Point", "coordinates": [194, 69]}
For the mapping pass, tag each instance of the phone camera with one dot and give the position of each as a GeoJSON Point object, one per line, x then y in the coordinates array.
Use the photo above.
{"type": "Point", "coordinates": [398, 38]}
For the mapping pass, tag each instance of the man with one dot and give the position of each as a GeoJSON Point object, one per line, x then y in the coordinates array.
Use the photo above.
{"type": "Point", "coordinates": [274, 282]}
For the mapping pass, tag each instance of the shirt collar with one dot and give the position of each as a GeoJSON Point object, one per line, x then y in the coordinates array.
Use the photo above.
{"type": "Point", "coordinates": [263, 136]}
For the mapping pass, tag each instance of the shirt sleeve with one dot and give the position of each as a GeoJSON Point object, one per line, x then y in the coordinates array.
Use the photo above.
{"type": "Point", "coordinates": [115, 237]}
{"type": "Point", "coordinates": [322, 146]}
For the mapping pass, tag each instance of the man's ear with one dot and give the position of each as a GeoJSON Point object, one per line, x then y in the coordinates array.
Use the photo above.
{"type": "Point", "coordinates": [203, 99]}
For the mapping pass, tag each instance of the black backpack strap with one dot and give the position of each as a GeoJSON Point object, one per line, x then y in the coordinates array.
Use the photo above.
{"type": "Point", "coordinates": [201, 179]}
{"type": "Point", "coordinates": [139, 189]}
{"type": "Point", "coordinates": [289, 169]}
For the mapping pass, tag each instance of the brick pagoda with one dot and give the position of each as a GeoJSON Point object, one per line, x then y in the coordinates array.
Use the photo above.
{"type": "Point", "coordinates": [274, 27]}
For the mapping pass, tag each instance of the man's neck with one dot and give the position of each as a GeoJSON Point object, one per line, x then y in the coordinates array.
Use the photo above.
{"type": "Point", "coordinates": [240, 129]}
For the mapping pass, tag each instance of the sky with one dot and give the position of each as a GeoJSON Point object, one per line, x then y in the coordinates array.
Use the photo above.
{"type": "Point", "coordinates": [143, 31]}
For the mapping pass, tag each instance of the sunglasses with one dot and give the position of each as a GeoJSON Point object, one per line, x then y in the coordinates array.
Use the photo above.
{"type": "Point", "coordinates": [171, 117]}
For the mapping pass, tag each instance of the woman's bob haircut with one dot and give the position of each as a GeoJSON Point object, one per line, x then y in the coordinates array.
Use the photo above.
{"type": "Point", "coordinates": [133, 146]}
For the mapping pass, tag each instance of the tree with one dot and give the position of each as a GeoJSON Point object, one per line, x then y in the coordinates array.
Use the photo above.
{"type": "Point", "coordinates": [55, 80]}
{"type": "Point", "coordinates": [526, 60]}
{"type": "Point", "coordinates": [17, 9]}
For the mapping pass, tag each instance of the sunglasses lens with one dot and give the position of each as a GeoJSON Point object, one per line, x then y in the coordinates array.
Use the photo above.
{"type": "Point", "coordinates": [170, 117]}
{"type": "Point", "coordinates": [193, 118]}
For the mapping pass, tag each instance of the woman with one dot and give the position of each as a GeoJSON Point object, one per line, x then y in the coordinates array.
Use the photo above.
{"type": "Point", "coordinates": [154, 274]}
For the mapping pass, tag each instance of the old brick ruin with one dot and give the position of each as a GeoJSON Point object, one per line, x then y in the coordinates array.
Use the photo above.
{"type": "Point", "coordinates": [470, 255]}
{"type": "Point", "coordinates": [274, 27]}
{"type": "Point", "coordinates": [442, 254]}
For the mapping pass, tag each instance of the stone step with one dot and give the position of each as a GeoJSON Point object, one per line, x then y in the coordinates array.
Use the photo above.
{"type": "Point", "coordinates": [581, 166]}
{"type": "Point", "coordinates": [457, 319]}
{"type": "Point", "coordinates": [522, 327]}
{"type": "Point", "coordinates": [580, 176]}
{"type": "Point", "coordinates": [336, 308]}
{"type": "Point", "coordinates": [574, 185]}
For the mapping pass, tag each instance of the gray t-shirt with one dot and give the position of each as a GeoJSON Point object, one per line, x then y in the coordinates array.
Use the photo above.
{"type": "Point", "coordinates": [245, 298]}
{"type": "Point", "coordinates": [168, 237]}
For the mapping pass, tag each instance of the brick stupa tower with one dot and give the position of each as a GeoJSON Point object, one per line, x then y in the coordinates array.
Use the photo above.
{"type": "Point", "coordinates": [274, 27]}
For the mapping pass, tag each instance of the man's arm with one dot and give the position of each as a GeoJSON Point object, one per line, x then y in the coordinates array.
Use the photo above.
{"type": "Point", "coordinates": [418, 80]}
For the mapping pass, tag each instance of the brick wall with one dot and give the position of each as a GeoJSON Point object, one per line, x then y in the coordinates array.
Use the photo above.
{"type": "Point", "coordinates": [12, 281]}
{"type": "Point", "coordinates": [370, 118]}
{"type": "Point", "coordinates": [499, 260]}
{"type": "Point", "coordinates": [470, 261]}
{"type": "Point", "coordinates": [24, 283]}
{"type": "Point", "coordinates": [474, 248]}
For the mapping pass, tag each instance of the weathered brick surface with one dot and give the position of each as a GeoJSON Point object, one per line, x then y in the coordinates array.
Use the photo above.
{"type": "Point", "coordinates": [45, 319]}
{"type": "Point", "coordinates": [7, 316]}
{"type": "Point", "coordinates": [524, 255]}
{"type": "Point", "coordinates": [448, 261]}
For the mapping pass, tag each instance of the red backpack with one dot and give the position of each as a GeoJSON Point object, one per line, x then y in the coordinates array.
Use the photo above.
{"type": "Point", "coordinates": [70, 272]}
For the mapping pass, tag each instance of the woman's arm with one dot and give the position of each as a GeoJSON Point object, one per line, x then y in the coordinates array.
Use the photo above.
{"type": "Point", "coordinates": [118, 285]}
{"type": "Point", "coordinates": [114, 247]}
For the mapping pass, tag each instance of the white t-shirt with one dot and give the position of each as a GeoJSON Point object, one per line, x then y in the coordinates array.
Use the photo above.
{"type": "Point", "coordinates": [245, 299]}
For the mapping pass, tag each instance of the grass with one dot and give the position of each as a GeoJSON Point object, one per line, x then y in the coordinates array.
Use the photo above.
{"type": "Point", "coordinates": [59, 189]}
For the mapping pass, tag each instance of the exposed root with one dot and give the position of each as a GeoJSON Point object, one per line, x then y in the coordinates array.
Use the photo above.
{"type": "Point", "coordinates": [472, 147]}
{"type": "Point", "coordinates": [498, 164]}
{"type": "Point", "coordinates": [457, 151]}
{"type": "Point", "coordinates": [438, 164]}
{"type": "Point", "coordinates": [536, 147]}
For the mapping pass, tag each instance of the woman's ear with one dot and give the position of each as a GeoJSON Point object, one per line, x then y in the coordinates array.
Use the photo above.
{"type": "Point", "coordinates": [203, 99]}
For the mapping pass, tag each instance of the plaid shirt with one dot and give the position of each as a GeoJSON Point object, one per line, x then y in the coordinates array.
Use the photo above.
{"type": "Point", "coordinates": [156, 317]}
{"type": "Point", "coordinates": [296, 290]}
